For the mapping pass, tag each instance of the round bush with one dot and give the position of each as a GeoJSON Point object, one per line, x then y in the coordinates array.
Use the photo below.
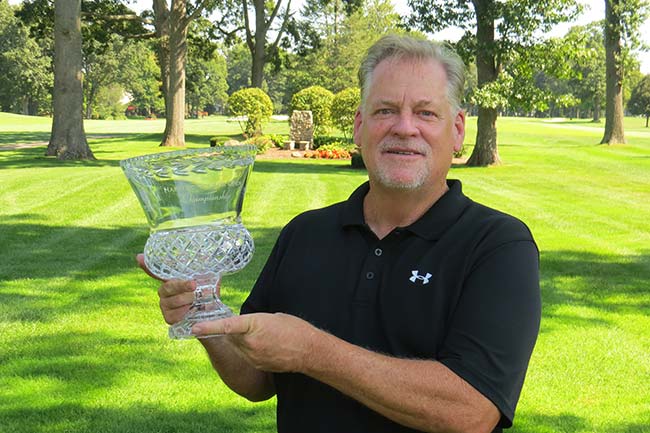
{"type": "Point", "coordinates": [318, 100]}
{"type": "Point", "coordinates": [344, 107]}
{"type": "Point", "coordinates": [253, 104]}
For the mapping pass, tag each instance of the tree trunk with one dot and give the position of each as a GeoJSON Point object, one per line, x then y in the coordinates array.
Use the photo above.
{"type": "Point", "coordinates": [171, 29]}
{"type": "Point", "coordinates": [485, 151]}
{"type": "Point", "coordinates": [175, 103]}
{"type": "Point", "coordinates": [597, 109]}
{"type": "Point", "coordinates": [614, 133]}
{"type": "Point", "coordinates": [257, 42]}
{"type": "Point", "coordinates": [68, 139]}
{"type": "Point", "coordinates": [161, 24]}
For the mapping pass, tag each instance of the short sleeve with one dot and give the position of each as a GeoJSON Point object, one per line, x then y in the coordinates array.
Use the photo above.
{"type": "Point", "coordinates": [495, 324]}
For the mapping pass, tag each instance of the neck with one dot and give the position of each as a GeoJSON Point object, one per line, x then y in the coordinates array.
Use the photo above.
{"type": "Point", "coordinates": [386, 209]}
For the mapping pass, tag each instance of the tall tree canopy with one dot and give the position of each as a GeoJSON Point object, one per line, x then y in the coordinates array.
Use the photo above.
{"type": "Point", "coordinates": [495, 30]}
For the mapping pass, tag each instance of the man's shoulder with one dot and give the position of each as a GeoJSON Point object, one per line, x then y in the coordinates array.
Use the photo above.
{"type": "Point", "coordinates": [495, 223]}
{"type": "Point", "coordinates": [329, 213]}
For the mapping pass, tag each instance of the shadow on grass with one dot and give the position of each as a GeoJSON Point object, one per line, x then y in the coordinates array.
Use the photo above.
{"type": "Point", "coordinates": [567, 423]}
{"type": "Point", "coordinates": [82, 255]}
{"type": "Point", "coordinates": [608, 283]}
{"type": "Point", "coordinates": [33, 157]}
{"type": "Point", "coordinates": [542, 423]}
{"type": "Point", "coordinates": [139, 418]}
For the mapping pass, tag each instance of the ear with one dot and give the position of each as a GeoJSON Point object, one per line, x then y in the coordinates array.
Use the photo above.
{"type": "Point", "coordinates": [459, 130]}
{"type": "Point", "coordinates": [357, 127]}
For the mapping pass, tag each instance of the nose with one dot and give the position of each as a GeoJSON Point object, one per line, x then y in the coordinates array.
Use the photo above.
{"type": "Point", "coordinates": [404, 125]}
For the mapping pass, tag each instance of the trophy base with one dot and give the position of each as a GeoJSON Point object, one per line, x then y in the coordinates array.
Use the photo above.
{"type": "Point", "coordinates": [183, 329]}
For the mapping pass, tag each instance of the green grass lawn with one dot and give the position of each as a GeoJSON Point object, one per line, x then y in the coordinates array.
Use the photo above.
{"type": "Point", "coordinates": [83, 347]}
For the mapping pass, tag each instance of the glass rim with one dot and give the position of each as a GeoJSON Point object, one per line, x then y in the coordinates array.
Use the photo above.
{"type": "Point", "coordinates": [246, 149]}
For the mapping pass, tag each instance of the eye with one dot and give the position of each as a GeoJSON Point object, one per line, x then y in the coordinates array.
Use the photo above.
{"type": "Point", "coordinates": [384, 111]}
{"type": "Point", "coordinates": [427, 113]}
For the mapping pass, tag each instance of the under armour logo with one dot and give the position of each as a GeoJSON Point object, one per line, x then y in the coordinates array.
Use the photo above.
{"type": "Point", "coordinates": [416, 276]}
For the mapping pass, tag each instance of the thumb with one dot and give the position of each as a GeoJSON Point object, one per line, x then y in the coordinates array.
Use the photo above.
{"type": "Point", "coordinates": [140, 259]}
{"type": "Point", "coordinates": [227, 326]}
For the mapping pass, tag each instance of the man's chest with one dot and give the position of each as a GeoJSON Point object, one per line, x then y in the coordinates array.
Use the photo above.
{"type": "Point", "coordinates": [395, 295]}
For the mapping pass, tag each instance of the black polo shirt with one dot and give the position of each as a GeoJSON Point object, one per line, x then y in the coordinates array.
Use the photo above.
{"type": "Point", "coordinates": [460, 286]}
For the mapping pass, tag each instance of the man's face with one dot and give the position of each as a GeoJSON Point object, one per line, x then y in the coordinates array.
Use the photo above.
{"type": "Point", "coordinates": [407, 130]}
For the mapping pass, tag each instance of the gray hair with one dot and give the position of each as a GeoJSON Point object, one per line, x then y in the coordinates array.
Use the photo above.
{"type": "Point", "coordinates": [407, 47]}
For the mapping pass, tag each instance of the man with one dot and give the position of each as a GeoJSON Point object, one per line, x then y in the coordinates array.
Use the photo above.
{"type": "Point", "coordinates": [406, 308]}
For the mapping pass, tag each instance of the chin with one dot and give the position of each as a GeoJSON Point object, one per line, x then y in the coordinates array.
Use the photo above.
{"type": "Point", "coordinates": [400, 183]}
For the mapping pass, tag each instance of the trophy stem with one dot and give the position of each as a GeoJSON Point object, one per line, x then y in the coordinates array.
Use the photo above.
{"type": "Point", "coordinates": [206, 307]}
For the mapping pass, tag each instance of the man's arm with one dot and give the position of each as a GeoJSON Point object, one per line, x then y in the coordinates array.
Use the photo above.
{"type": "Point", "coordinates": [176, 297]}
{"type": "Point", "coordinates": [236, 372]}
{"type": "Point", "coordinates": [422, 394]}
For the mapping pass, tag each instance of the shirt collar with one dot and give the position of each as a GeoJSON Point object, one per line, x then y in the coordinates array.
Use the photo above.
{"type": "Point", "coordinates": [431, 226]}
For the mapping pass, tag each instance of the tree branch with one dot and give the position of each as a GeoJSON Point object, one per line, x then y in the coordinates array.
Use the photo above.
{"type": "Point", "coordinates": [267, 24]}
{"type": "Point", "coordinates": [287, 14]}
{"type": "Point", "coordinates": [249, 35]}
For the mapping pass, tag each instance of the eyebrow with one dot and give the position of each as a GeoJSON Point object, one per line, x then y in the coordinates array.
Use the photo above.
{"type": "Point", "coordinates": [418, 104]}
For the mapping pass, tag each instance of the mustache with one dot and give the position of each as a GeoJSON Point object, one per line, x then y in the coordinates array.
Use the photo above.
{"type": "Point", "coordinates": [404, 145]}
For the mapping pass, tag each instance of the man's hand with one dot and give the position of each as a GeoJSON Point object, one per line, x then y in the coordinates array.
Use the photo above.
{"type": "Point", "coordinates": [176, 296]}
{"type": "Point", "coordinates": [269, 342]}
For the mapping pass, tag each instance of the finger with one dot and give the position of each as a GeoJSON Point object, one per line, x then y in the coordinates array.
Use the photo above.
{"type": "Point", "coordinates": [228, 326]}
{"type": "Point", "coordinates": [182, 300]}
{"type": "Point", "coordinates": [140, 259]}
{"type": "Point", "coordinates": [175, 287]}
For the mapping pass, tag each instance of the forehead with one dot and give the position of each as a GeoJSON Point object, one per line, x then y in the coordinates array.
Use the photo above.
{"type": "Point", "coordinates": [401, 77]}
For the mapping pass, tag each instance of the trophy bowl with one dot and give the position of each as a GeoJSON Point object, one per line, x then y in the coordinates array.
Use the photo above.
{"type": "Point", "coordinates": [193, 201]}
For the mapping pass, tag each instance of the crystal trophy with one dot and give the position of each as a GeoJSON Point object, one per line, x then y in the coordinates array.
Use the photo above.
{"type": "Point", "coordinates": [193, 201]}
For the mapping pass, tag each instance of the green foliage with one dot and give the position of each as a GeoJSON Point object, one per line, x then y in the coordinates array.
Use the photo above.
{"type": "Point", "coordinates": [26, 78]}
{"type": "Point", "coordinates": [639, 102]}
{"type": "Point", "coordinates": [109, 103]}
{"type": "Point", "coordinates": [277, 139]}
{"type": "Point", "coordinates": [323, 140]}
{"type": "Point", "coordinates": [344, 107]}
{"type": "Point", "coordinates": [218, 140]}
{"type": "Point", "coordinates": [253, 104]}
{"type": "Point", "coordinates": [319, 100]}
{"type": "Point", "coordinates": [140, 76]}
{"type": "Point", "coordinates": [262, 142]}
{"type": "Point", "coordinates": [206, 82]}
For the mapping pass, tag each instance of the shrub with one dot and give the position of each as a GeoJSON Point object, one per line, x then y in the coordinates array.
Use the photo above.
{"type": "Point", "coordinates": [253, 104]}
{"type": "Point", "coordinates": [330, 151]}
{"type": "Point", "coordinates": [318, 100]}
{"type": "Point", "coordinates": [262, 142]}
{"type": "Point", "coordinates": [357, 160]}
{"type": "Point", "coordinates": [219, 140]}
{"type": "Point", "coordinates": [277, 139]}
{"type": "Point", "coordinates": [323, 140]}
{"type": "Point", "coordinates": [344, 107]}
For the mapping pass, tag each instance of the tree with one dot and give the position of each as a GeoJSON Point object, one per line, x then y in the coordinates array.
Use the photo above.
{"type": "Point", "coordinates": [68, 139]}
{"type": "Point", "coordinates": [140, 76]}
{"type": "Point", "coordinates": [333, 61]}
{"type": "Point", "coordinates": [588, 59]}
{"type": "Point", "coordinates": [261, 51]}
{"type": "Point", "coordinates": [171, 24]}
{"type": "Point", "coordinates": [639, 102]}
{"type": "Point", "coordinates": [206, 80]}
{"type": "Point", "coordinates": [622, 19]}
{"type": "Point", "coordinates": [344, 107]}
{"type": "Point", "coordinates": [254, 105]}
{"type": "Point", "coordinates": [514, 22]}
{"type": "Point", "coordinates": [26, 79]}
